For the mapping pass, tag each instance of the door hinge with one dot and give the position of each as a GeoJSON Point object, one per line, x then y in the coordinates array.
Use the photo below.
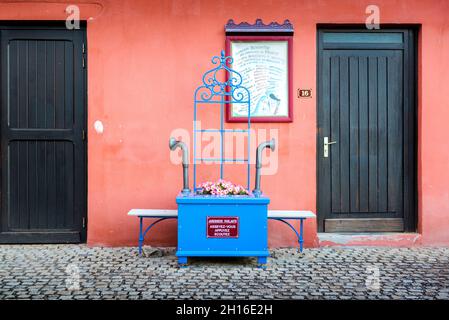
{"type": "Point", "coordinates": [84, 57]}
{"type": "Point", "coordinates": [84, 223]}
{"type": "Point", "coordinates": [84, 135]}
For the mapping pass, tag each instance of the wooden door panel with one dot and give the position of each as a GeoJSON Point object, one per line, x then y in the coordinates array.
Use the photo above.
{"type": "Point", "coordinates": [41, 193]}
{"type": "Point", "coordinates": [42, 146]}
{"type": "Point", "coordinates": [361, 107]}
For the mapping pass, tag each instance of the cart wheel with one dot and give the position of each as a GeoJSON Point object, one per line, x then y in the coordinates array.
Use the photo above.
{"type": "Point", "coordinates": [182, 262]}
{"type": "Point", "coordinates": [262, 262]}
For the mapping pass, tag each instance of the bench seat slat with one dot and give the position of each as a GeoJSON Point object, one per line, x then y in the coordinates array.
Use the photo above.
{"type": "Point", "coordinates": [153, 213]}
{"type": "Point", "coordinates": [290, 214]}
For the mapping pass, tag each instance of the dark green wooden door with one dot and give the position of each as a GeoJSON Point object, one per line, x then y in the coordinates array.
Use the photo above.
{"type": "Point", "coordinates": [43, 162]}
{"type": "Point", "coordinates": [366, 111]}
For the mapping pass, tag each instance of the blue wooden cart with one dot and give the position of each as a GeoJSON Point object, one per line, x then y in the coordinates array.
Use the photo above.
{"type": "Point", "coordinates": [232, 226]}
{"type": "Point", "coordinates": [241, 232]}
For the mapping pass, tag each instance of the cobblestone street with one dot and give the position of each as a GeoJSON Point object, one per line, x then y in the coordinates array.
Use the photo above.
{"type": "Point", "coordinates": [80, 272]}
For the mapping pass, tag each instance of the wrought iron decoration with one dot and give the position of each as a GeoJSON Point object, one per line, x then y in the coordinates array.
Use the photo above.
{"type": "Point", "coordinates": [221, 85]}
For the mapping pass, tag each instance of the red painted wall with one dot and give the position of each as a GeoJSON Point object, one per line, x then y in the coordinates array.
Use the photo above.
{"type": "Point", "coordinates": [145, 59]}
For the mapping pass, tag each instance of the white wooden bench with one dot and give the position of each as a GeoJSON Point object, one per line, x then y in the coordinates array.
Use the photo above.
{"type": "Point", "coordinates": [159, 214]}
{"type": "Point", "coordinates": [285, 215]}
{"type": "Point", "coordinates": [279, 215]}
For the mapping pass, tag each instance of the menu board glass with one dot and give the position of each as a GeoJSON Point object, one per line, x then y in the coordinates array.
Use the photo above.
{"type": "Point", "coordinates": [264, 66]}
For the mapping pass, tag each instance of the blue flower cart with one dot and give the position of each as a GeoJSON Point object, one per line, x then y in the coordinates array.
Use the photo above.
{"type": "Point", "coordinates": [221, 226]}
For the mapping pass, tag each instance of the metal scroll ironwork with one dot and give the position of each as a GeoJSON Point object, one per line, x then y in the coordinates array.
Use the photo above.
{"type": "Point", "coordinates": [221, 85]}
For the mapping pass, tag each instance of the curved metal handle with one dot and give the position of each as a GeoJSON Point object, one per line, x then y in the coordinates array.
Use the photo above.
{"type": "Point", "coordinates": [267, 144]}
{"type": "Point", "coordinates": [326, 146]}
{"type": "Point", "coordinates": [173, 144]}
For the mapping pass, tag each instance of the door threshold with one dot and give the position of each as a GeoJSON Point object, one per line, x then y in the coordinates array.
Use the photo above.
{"type": "Point", "coordinates": [380, 239]}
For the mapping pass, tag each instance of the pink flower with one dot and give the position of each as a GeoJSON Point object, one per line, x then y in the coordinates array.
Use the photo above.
{"type": "Point", "coordinates": [221, 188]}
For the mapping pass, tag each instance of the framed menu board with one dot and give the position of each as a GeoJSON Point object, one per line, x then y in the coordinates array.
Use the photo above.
{"type": "Point", "coordinates": [264, 63]}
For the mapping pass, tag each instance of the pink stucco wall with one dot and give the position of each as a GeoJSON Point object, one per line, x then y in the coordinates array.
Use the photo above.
{"type": "Point", "coordinates": [145, 59]}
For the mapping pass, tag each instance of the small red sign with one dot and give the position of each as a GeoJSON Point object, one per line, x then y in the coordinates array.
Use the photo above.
{"type": "Point", "coordinates": [304, 93]}
{"type": "Point", "coordinates": [222, 227]}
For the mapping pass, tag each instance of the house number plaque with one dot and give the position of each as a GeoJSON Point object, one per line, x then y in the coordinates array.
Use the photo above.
{"type": "Point", "coordinates": [304, 93]}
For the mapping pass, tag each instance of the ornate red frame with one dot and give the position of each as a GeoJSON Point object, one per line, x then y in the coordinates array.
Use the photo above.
{"type": "Point", "coordinates": [289, 39]}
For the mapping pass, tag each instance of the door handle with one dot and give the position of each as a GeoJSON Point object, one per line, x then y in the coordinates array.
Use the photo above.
{"type": "Point", "coordinates": [326, 146]}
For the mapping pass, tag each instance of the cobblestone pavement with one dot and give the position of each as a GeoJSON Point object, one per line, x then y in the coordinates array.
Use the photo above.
{"type": "Point", "coordinates": [80, 272]}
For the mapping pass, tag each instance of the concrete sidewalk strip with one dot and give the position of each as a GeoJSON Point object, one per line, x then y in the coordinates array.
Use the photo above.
{"type": "Point", "coordinates": [82, 272]}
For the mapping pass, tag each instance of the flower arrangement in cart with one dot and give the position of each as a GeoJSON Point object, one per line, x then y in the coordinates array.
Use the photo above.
{"type": "Point", "coordinates": [221, 188]}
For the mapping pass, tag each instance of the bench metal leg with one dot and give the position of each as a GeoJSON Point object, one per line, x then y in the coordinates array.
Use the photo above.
{"type": "Point", "coordinates": [142, 233]}
{"type": "Point", "coordinates": [299, 234]}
